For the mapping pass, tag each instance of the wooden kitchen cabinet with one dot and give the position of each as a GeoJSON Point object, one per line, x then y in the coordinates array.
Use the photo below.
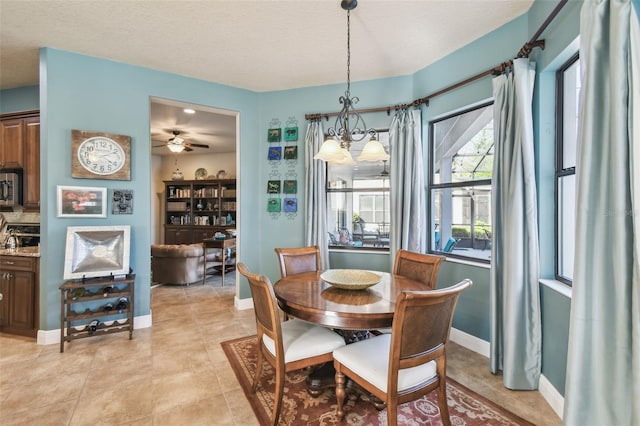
{"type": "Point", "coordinates": [19, 289]}
{"type": "Point", "coordinates": [32, 164]}
{"type": "Point", "coordinates": [12, 144]}
{"type": "Point", "coordinates": [20, 150]}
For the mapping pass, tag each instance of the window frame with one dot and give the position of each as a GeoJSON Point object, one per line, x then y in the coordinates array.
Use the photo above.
{"type": "Point", "coordinates": [386, 190]}
{"type": "Point", "coordinates": [560, 170]}
{"type": "Point", "coordinates": [431, 186]}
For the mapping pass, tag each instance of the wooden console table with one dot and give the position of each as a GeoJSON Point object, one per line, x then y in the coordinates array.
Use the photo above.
{"type": "Point", "coordinates": [223, 245]}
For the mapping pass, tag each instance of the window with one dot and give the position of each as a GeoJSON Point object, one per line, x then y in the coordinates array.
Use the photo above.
{"type": "Point", "coordinates": [358, 201]}
{"type": "Point", "coordinates": [568, 89]}
{"type": "Point", "coordinates": [460, 183]}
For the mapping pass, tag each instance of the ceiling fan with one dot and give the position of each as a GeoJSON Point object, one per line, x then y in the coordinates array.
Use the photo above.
{"type": "Point", "coordinates": [178, 144]}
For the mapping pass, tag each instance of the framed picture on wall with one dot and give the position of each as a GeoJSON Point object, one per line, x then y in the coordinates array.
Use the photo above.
{"type": "Point", "coordinates": [290, 187]}
{"type": "Point", "coordinates": [290, 205]}
{"type": "Point", "coordinates": [81, 201]}
{"type": "Point", "coordinates": [274, 205]}
{"type": "Point", "coordinates": [291, 152]}
{"type": "Point", "coordinates": [122, 201]}
{"type": "Point", "coordinates": [274, 135]}
{"type": "Point", "coordinates": [290, 133]}
{"type": "Point", "coordinates": [275, 153]}
{"type": "Point", "coordinates": [273, 187]}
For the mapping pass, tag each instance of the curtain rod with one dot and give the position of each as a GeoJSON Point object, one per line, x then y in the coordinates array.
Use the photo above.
{"type": "Point", "coordinates": [499, 69]}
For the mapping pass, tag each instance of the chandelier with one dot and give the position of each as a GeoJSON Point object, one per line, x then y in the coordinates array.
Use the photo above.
{"type": "Point", "coordinates": [349, 125]}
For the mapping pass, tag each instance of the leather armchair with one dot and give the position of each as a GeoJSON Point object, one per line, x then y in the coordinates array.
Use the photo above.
{"type": "Point", "coordinates": [177, 263]}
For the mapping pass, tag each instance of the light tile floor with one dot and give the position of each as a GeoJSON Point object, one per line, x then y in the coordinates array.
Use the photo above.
{"type": "Point", "coordinates": [174, 373]}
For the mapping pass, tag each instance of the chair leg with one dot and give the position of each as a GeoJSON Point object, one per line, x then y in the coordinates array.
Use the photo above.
{"type": "Point", "coordinates": [277, 400]}
{"type": "Point", "coordinates": [340, 392]}
{"type": "Point", "coordinates": [392, 412]}
{"type": "Point", "coordinates": [259, 363]}
{"type": "Point", "coordinates": [442, 403]}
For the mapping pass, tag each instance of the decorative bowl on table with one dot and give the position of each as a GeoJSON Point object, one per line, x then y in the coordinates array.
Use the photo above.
{"type": "Point", "coordinates": [350, 279]}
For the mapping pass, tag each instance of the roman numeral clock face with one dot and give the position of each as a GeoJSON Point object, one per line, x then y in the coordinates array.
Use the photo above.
{"type": "Point", "coordinates": [100, 155]}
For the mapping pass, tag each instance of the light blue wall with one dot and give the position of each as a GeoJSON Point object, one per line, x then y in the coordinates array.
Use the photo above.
{"type": "Point", "coordinates": [19, 99]}
{"type": "Point", "coordinates": [81, 92]}
{"type": "Point", "coordinates": [282, 231]}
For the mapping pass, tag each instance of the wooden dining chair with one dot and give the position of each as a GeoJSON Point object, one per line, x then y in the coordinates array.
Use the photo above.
{"type": "Point", "coordinates": [287, 346]}
{"type": "Point", "coordinates": [411, 361]}
{"type": "Point", "coordinates": [296, 260]}
{"type": "Point", "coordinates": [419, 267]}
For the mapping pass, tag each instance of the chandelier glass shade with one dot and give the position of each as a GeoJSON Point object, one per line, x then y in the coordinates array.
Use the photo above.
{"type": "Point", "coordinates": [349, 125]}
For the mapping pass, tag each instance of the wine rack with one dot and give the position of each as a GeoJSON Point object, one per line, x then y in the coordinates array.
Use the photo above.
{"type": "Point", "coordinates": [95, 307]}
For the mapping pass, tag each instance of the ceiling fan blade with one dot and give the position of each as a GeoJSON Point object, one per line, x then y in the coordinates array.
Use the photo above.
{"type": "Point", "coordinates": [197, 145]}
{"type": "Point", "coordinates": [159, 146]}
{"type": "Point", "coordinates": [186, 148]}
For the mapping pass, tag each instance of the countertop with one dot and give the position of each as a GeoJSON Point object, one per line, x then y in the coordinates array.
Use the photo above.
{"type": "Point", "coordinates": [21, 251]}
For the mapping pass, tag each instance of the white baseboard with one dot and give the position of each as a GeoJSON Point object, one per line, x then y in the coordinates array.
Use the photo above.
{"type": "Point", "coordinates": [470, 342]}
{"type": "Point", "coordinates": [546, 389]}
{"type": "Point", "coordinates": [48, 337]}
{"type": "Point", "coordinates": [52, 337]}
{"type": "Point", "coordinates": [144, 321]}
{"type": "Point", "coordinates": [551, 395]}
{"type": "Point", "coordinates": [242, 304]}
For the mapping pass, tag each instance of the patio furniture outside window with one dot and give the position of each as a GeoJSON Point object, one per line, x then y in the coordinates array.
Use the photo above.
{"type": "Point", "coordinates": [460, 174]}
{"type": "Point", "coordinates": [358, 201]}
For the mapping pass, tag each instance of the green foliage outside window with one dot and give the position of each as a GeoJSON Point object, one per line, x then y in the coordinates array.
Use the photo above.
{"type": "Point", "coordinates": [464, 231]}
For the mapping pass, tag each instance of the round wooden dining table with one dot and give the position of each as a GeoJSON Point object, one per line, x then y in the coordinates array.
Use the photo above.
{"type": "Point", "coordinates": [307, 296]}
{"type": "Point", "coordinates": [352, 313]}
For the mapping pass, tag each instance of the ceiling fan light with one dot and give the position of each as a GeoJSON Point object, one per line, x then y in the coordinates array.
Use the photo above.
{"type": "Point", "coordinates": [330, 151]}
{"type": "Point", "coordinates": [373, 151]}
{"type": "Point", "coordinates": [177, 140]}
{"type": "Point", "coordinates": [175, 148]}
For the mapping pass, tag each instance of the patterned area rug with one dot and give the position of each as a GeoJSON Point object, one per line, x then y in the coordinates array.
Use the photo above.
{"type": "Point", "coordinates": [299, 408]}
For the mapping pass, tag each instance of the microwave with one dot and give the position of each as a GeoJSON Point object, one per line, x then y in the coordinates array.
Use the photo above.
{"type": "Point", "coordinates": [10, 189]}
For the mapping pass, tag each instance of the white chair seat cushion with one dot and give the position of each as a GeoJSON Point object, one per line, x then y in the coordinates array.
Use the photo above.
{"type": "Point", "coordinates": [301, 339]}
{"type": "Point", "coordinates": [370, 360]}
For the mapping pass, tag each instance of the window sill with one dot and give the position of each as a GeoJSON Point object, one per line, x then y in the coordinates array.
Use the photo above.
{"type": "Point", "coordinates": [467, 262]}
{"type": "Point", "coordinates": [558, 287]}
{"type": "Point", "coordinates": [359, 250]}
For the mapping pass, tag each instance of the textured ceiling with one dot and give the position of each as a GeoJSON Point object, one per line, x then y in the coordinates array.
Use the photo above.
{"type": "Point", "coordinates": [260, 45]}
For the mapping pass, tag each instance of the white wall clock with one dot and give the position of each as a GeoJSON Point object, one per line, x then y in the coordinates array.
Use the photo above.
{"type": "Point", "coordinates": [100, 155]}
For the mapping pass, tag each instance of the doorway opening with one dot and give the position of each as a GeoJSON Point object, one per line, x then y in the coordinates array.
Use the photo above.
{"type": "Point", "coordinates": [194, 148]}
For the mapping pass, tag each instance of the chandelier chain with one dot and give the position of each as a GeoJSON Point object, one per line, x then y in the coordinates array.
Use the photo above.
{"type": "Point", "coordinates": [338, 144]}
{"type": "Point", "coordinates": [348, 53]}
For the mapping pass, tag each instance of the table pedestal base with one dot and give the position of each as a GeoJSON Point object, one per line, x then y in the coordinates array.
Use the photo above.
{"type": "Point", "coordinates": [324, 376]}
